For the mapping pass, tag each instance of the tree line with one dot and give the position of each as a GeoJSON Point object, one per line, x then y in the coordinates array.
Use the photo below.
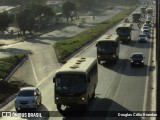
{"type": "Point", "coordinates": [33, 17]}
{"type": "Point", "coordinates": [20, 2]}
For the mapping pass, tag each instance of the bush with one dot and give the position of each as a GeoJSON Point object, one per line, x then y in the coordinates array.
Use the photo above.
{"type": "Point", "coordinates": [9, 63]}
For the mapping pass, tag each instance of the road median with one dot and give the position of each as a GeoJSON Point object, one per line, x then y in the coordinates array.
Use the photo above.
{"type": "Point", "coordinates": [66, 48]}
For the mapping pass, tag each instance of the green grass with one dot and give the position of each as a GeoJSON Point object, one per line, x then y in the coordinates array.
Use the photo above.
{"type": "Point", "coordinates": [9, 88]}
{"type": "Point", "coordinates": [65, 48]}
{"type": "Point", "coordinates": [7, 64]}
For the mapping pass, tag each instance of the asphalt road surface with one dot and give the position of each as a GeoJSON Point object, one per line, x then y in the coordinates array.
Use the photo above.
{"type": "Point", "coordinates": [120, 87]}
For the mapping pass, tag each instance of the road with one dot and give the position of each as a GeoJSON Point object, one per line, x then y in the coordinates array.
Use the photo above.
{"type": "Point", "coordinates": [43, 61]}
{"type": "Point", "coordinates": [120, 87]}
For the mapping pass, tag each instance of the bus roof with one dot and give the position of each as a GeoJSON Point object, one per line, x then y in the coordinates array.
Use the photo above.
{"type": "Point", "coordinates": [108, 38]}
{"type": "Point", "coordinates": [136, 13]}
{"type": "Point", "coordinates": [124, 25]}
{"type": "Point", "coordinates": [77, 65]}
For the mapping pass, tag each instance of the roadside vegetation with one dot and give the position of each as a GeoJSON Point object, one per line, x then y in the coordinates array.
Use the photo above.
{"type": "Point", "coordinates": [33, 16]}
{"type": "Point", "coordinates": [7, 64]}
{"type": "Point", "coordinates": [8, 88]}
{"type": "Point", "coordinates": [64, 48]}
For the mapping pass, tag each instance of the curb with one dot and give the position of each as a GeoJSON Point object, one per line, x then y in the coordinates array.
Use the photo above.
{"type": "Point", "coordinates": [10, 98]}
{"type": "Point", "coordinates": [13, 71]}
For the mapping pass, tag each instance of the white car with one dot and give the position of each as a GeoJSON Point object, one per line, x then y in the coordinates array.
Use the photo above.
{"type": "Point", "coordinates": [145, 27]}
{"type": "Point", "coordinates": [142, 38]}
{"type": "Point", "coordinates": [147, 32]}
{"type": "Point", "coordinates": [80, 24]}
{"type": "Point", "coordinates": [28, 98]}
{"type": "Point", "coordinates": [149, 22]}
{"type": "Point", "coordinates": [90, 13]}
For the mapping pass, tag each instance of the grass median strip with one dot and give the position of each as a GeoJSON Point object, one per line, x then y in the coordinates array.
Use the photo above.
{"type": "Point", "coordinates": [7, 64]}
{"type": "Point", "coordinates": [64, 48]}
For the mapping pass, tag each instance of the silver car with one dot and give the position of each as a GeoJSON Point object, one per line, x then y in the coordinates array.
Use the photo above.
{"type": "Point", "coordinates": [28, 97]}
{"type": "Point", "coordinates": [147, 32]}
{"type": "Point", "coordinates": [80, 24]}
{"type": "Point", "coordinates": [145, 27]}
{"type": "Point", "coordinates": [142, 38]}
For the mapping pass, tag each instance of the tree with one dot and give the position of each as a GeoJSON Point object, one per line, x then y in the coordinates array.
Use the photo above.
{"type": "Point", "coordinates": [5, 20]}
{"type": "Point", "coordinates": [34, 15]}
{"type": "Point", "coordinates": [26, 21]}
{"type": "Point", "coordinates": [43, 14]}
{"type": "Point", "coordinates": [67, 8]}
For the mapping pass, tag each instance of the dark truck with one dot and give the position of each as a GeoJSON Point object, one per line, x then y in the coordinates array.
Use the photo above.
{"type": "Point", "coordinates": [143, 10]}
{"type": "Point", "coordinates": [136, 16]}
{"type": "Point", "coordinates": [124, 32]}
{"type": "Point", "coordinates": [149, 10]}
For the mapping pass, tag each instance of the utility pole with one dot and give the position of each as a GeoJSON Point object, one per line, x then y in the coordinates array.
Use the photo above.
{"type": "Point", "coordinates": [158, 54]}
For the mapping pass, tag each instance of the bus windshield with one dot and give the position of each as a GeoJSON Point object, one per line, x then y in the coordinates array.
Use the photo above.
{"type": "Point", "coordinates": [123, 30]}
{"type": "Point", "coordinates": [136, 15]}
{"type": "Point", "coordinates": [107, 47]}
{"type": "Point", "coordinates": [70, 84]}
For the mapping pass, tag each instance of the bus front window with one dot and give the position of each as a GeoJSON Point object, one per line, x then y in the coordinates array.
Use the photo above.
{"type": "Point", "coordinates": [70, 84]}
{"type": "Point", "coordinates": [123, 31]}
{"type": "Point", "coordinates": [107, 47]}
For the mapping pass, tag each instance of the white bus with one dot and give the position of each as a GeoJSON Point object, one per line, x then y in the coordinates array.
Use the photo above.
{"type": "Point", "coordinates": [75, 82]}
{"type": "Point", "coordinates": [108, 48]}
{"type": "Point", "coordinates": [124, 31]}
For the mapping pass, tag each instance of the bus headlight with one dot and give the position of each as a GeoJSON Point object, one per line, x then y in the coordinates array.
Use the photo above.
{"type": "Point", "coordinates": [128, 37]}
{"type": "Point", "coordinates": [82, 98]}
{"type": "Point", "coordinates": [142, 61]}
{"type": "Point", "coordinates": [57, 98]}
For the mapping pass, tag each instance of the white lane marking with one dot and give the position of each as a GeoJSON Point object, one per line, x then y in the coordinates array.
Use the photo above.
{"type": "Point", "coordinates": [34, 72]}
{"type": "Point", "coordinates": [46, 67]}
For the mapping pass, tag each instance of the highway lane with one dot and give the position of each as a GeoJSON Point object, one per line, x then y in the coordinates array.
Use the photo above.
{"type": "Point", "coordinates": [120, 87]}
{"type": "Point", "coordinates": [42, 60]}
{"type": "Point", "coordinates": [40, 67]}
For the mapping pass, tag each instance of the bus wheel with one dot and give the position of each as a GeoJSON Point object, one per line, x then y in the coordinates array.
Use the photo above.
{"type": "Point", "coordinates": [59, 107]}
{"type": "Point", "coordinates": [99, 61]}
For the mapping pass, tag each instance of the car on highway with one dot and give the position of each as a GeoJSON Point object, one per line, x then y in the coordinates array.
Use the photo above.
{"type": "Point", "coordinates": [142, 38]}
{"type": "Point", "coordinates": [137, 59]}
{"type": "Point", "coordinates": [126, 20]}
{"type": "Point", "coordinates": [145, 27]}
{"type": "Point", "coordinates": [149, 23]}
{"type": "Point", "coordinates": [90, 13]}
{"type": "Point", "coordinates": [147, 32]}
{"type": "Point", "coordinates": [80, 24]}
{"type": "Point", "coordinates": [28, 98]}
